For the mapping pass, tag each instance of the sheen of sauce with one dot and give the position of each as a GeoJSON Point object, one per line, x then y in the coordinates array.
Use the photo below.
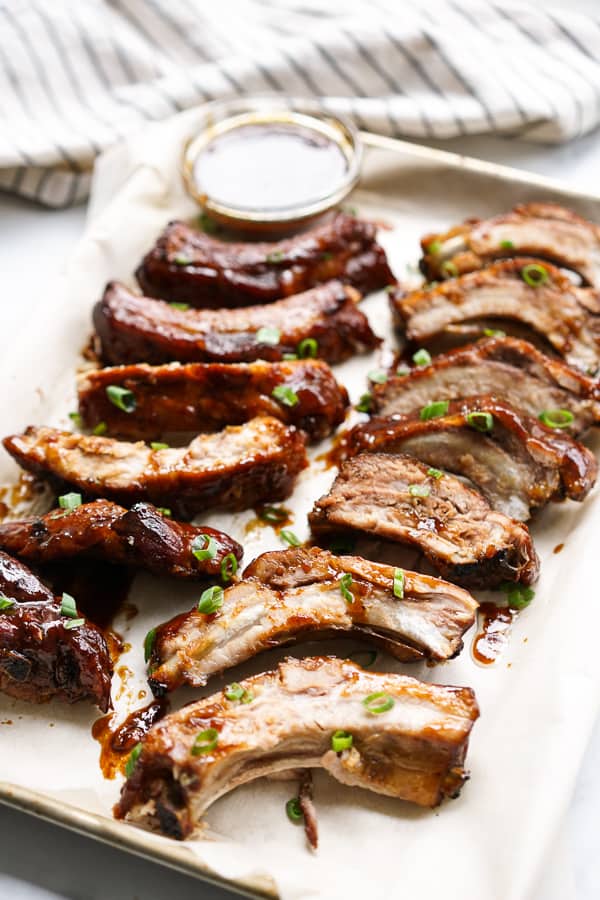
{"type": "Point", "coordinates": [494, 626]}
{"type": "Point", "coordinates": [116, 744]}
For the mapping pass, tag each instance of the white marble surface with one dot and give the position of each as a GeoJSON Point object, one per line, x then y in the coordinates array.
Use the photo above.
{"type": "Point", "coordinates": [40, 861]}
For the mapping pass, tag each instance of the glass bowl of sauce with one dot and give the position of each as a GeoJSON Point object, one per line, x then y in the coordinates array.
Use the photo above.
{"type": "Point", "coordinates": [270, 164]}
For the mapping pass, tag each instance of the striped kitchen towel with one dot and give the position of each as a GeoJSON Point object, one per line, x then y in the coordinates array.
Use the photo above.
{"type": "Point", "coordinates": [78, 75]}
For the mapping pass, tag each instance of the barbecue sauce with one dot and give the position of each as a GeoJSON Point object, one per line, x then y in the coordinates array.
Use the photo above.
{"type": "Point", "coordinates": [117, 744]}
{"type": "Point", "coordinates": [495, 623]}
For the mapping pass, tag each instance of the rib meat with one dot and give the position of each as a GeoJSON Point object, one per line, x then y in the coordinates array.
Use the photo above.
{"type": "Point", "coordinates": [518, 465]}
{"type": "Point", "coordinates": [415, 751]}
{"type": "Point", "coordinates": [207, 396]}
{"type": "Point", "coordinates": [40, 656]}
{"type": "Point", "coordinates": [235, 468]}
{"type": "Point", "coordinates": [293, 595]}
{"type": "Point", "coordinates": [452, 525]}
{"type": "Point", "coordinates": [543, 230]}
{"type": "Point", "coordinates": [188, 265]}
{"type": "Point", "coordinates": [567, 317]}
{"type": "Point", "coordinates": [142, 537]}
{"type": "Point", "coordinates": [133, 329]}
{"type": "Point", "coordinates": [512, 369]}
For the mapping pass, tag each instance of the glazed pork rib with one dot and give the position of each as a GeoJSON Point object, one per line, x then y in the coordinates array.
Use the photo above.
{"type": "Point", "coordinates": [235, 468]}
{"type": "Point", "coordinates": [42, 656]}
{"type": "Point", "coordinates": [516, 462]}
{"type": "Point", "coordinates": [512, 369]}
{"type": "Point", "coordinates": [543, 230]}
{"type": "Point", "coordinates": [208, 396]}
{"type": "Point", "coordinates": [188, 265]}
{"type": "Point", "coordinates": [142, 537]}
{"type": "Point", "coordinates": [413, 751]}
{"type": "Point", "coordinates": [565, 316]}
{"type": "Point", "coordinates": [400, 499]}
{"type": "Point", "coordinates": [134, 329]}
{"type": "Point", "coordinates": [293, 595]}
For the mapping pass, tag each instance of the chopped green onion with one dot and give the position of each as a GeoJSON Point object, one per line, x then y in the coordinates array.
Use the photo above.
{"type": "Point", "coordinates": [364, 658]}
{"type": "Point", "coordinates": [289, 357]}
{"type": "Point", "coordinates": [132, 760]}
{"type": "Point", "coordinates": [234, 691]}
{"type": "Point", "coordinates": [377, 376]}
{"type": "Point", "coordinates": [390, 288]}
{"type": "Point", "coordinates": [101, 428]}
{"type": "Point", "coordinates": [399, 584]}
{"type": "Point", "coordinates": [164, 510]}
{"type": "Point", "coordinates": [534, 275]}
{"type": "Point", "coordinates": [518, 596]}
{"type": "Point", "coordinates": [378, 703]}
{"type": "Point", "coordinates": [350, 210]}
{"type": "Point", "coordinates": [480, 421]}
{"type": "Point", "coordinates": [449, 268]}
{"type": "Point", "coordinates": [275, 257]}
{"type": "Point", "coordinates": [181, 259]}
{"type": "Point", "coordinates": [205, 742]}
{"type": "Point", "coordinates": [248, 697]}
{"type": "Point", "coordinates": [76, 419]}
{"type": "Point", "coordinates": [403, 370]}
{"type": "Point", "coordinates": [204, 547]}
{"type": "Point", "coordinates": [507, 245]}
{"type": "Point", "coordinates": [434, 247]}
{"type": "Point", "coordinates": [207, 224]}
{"type": "Point", "coordinates": [121, 398]}
{"type": "Point", "coordinates": [69, 501]}
{"type": "Point", "coordinates": [181, 306]}
{"type": "Point", "coordinates": [557, 418]}
{"type": "Point", "coordinates": [268, 335]}
{"type": "Point", "coordinates": [211, 600]}
{"type": "Point", "coordinates": [494, 332]}
{"type": "Point", "coordinates": [285, 395]}
{"type": "Point", "coordinates": [149, 642]}
{"type": "Point", "coordinates": [419, 490]}
{"type": "Point", "coordinates": [422, 357]}
{"type": "Point", "coordinates": [6, 602]}
{"type": "Point", "coordinates": [308, 348]}
{"type": "Point", "coordinates": [289, 537]}
{"type": "Point", "coordinates": [344, 583]}
{"type": "Point", "coordinates": [273, 514]}
{"type": "Point", "coordinates": [74, 623]}
{"type": "Point", "coordinates": [326, 255]}
{"type": "Point", "coordinates": [341, 740]}
{"type": "Point", "coordinates": [365, 403]}
{"type": "Point", "coordinates": [435, 473]}
{"type": "Point", "coordinates": [229, 566]}
{"type": "Point", "coordinates": [294, 810]}
{"type": "Point", "coordinates": [434, 410]}
{"type": "Point", "coordinates": [68, 607]}
{"type": "Point", "coordinates": [158, 445]}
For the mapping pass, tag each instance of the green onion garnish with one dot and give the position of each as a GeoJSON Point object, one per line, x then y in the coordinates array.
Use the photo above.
{"type": "Point", "coordinates": [294, 810]}
{"type": "Point", "coordinates": [234, 691]}
{"type": "Point", "coordinates": [68, 607]}
{"type": "Point", "coordinates": [435, 473]}
{"type": "Point", "coordinates": [289, 357]}
{"type": "Point", "coordinates": [207, 224]}
{"type": "Point", "coordinates": [273, 514]}
{"type": "Point", "coordinates": [518, 596]}
{"type": "Point", "coordinates": [434, 247]}
{"type": "Point", "coordinates": [419, 490]}
{"type": "Point", "coordinates": [398, 584]}
{"type": "Point", "coordinates": [211, 600]}
{"type": "Point", "coordinates": [149, 642]}
{"type": "Point", "coordinates": [229, 566]}
{"type": "Point", "coordinates": [181, 259]}
{"type": "Point", "coordinates": [377, 376]}
{"type": "Point", "coordinates": [364, 404]}
{"type": "Point", "coordinates": [378, 703]}
{"type": "Point", "coordinates": [364, 658]}
{"type": "Point", "coordinates": [449, 268]}
{"type": "Point", "coordinates": [157, 445]}
{"type": "Point", "coordinates": [204, 547]}
{"type": "Point", "coordinates": [268, 335]}
{"type": "Point", "coordinates": [248, 697]}
{"type": "Point", "coordinates": [205, 742]}
{"type": "Point", "coordinates": [433, 410]}
{"type": "Point", "coordinates": [6, 602]}
{"type": "Point", "coordinates": [275, 257]}
{"type": "Point", "coordinates": [74, 623]}
{"type": "Point", "coordinates": [285, 395]}
{"type": "Point", "coordinates": [344, 583]}
{"type": "Point", "coordinates": [557, 418]}
{"type": "Point", "coordinates": [101, 428]}
{"type": "Point", "coordinates": [181, 306]}
{"type": "Point", "coordinates": [289, 537]}
{"type": "Point", "coordinates": [164, 510]}
{"type": "Point", "coordinates": [76, 419]}
{"type": "Point", "coordinates": [494, 332]}
{"type": "Point", "coordinates": [121, 398]}
{"type": "Point", "coordinates": [403, 370]}
{"type": "Point", "coordinates": [534, 275]}
{"type": "Point", "coordinates": [390, 288]}
{"type": "Point", "coordinates": [507, 245]}
{"type": "Point", "coordinates": [422, 357]}
{"type": "Point", "coordinates": [326, 255]}
{"type": "Point", "coordinates": [351, 210]}
{"type": "Point", "coordinates": [341, 740]}
{"type": "Point", "coordinates": [69, 501]}
{"type": "Point", "coordinates": [480, 421]}
{"type": "Point", "coordinates": [308, 348]}
{"type": "Point", "coordinates": [132, 760]}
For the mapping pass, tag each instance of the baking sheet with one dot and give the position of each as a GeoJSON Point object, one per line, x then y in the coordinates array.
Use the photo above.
{"type": "Point", "coordinates": [538, 701]}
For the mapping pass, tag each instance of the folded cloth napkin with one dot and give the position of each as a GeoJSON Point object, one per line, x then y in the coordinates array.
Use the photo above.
{"type": "Point", "coordinates": [77, 75]}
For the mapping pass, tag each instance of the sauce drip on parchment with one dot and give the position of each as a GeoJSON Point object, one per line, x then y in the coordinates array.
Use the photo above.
{"type": "Point", "coordinates": [494, 625]}
{"type": "Point", "coordinates": [116, 744]}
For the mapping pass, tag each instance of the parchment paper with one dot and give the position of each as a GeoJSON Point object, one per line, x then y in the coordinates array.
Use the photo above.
{"type": "Point", "coordinates": [538, 702]}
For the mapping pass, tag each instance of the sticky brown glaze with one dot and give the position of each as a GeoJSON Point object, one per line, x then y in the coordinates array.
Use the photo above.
{"type": "Point", "coordinates": [415, 751]}
{"type": "Point", "coordinates": [142, 537]}
{"type": "Point", "coordinates": [518, 464]}
{"type": "Point", "coordinates": [453, 526]}
{"type": "Point", "coordinates": [40, 656]}
{"type": "Point", "coordinates": [543, 230]}
{"type": "Point", "coordinates": [238, 467]}
{"type": "Point", "coordinates": [134, 329]}
{"type": "Point", "coordinates": [294, 595]}
{"type": "Point", "coordinates": [191, 266]}
{"type": "Point", "coordinates": [565, 316]}
{"type": "Point", "coordinates": [510, 368]}
{"type": "Point", "coordinates": [207, 396]}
